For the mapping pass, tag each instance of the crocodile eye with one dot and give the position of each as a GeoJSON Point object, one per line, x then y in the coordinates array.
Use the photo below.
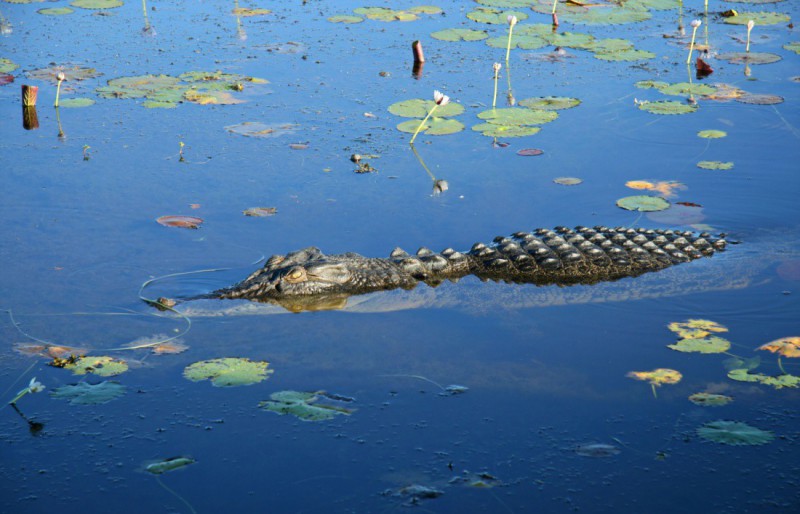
{"type": "Point", "coordinates": [295, 275]}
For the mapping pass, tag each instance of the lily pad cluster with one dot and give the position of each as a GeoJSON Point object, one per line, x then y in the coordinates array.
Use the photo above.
{"type": "Point", "coordinates": [696, 336]}
{"type": "Point", "coordinates": [438, 125]}
{"type": "Point", "coordinates": [304, 405]}
{"type": "Point", "coordinates": [386, 14]}
{"type": "Point", "coordinates": [513, 121]}
{"type": "Point", "coordinates": [167, 91]}
{"type": "Point", "coordinates": [632, 11]}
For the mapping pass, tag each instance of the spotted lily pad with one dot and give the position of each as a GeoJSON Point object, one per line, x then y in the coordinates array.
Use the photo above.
{"type": "Point", "coordinates": [710, 399]}
{"type": "Point", "coordinates": [749, 58]}
{"type": "Point", "coordinates": [84, 393]}
{"type": "Point", "coordinates": [101, 366]}
{"type": "Point", "coordinates": [419, 108]}
{"type": "Point", "coordinates": [759, 99]}
{"type": "Point", "coordinates": [760, 18]}
{"type": "Point", "coordinates": [644, 203]}
{"type": "Point", "coordinates": [171, 464]}
{"type": "Point", "coordinates": [435, 126]}
{"type": "Point", "coordinates": [245, 12]}
{"type": "Point", "coordinates": [712, 134]}
{"type": "Point", "coordinates": [459, 35]}
{"type": "Point", "coordinates": [694, 328]}
{"type": "Point", "coordinates": [785, 346]}
{"type": "Point", "coordinates": [667, 107]}
{"type": "Point", "coordinates": [550, 103]}
{"type": "Point", "coordinates": [302, 405]}
{"type": "Point", "coordinates": [262, 130]}
{"type": "Point", "coordinates": [72, 73]}
{"type": "Point", "coordinates": [686, 88]}
{"type": "Point", "coordinates": [734, 433]}
{"type": "Point", "coordinates": [228, 371]}
{"type": "Point", "coordinates": [715, 165]}
{"type": "Point", "coordinates": [97, 4]}
{"type": "Point", "coordinates": [711, 344]}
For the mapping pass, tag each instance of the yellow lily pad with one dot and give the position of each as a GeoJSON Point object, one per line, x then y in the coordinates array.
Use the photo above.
{"type": "Point", "coordinates": [785, 346]}
{"type": "Point", "coordinates": [712, 134]}
{"type": "Point", "coordinates": [101, 366]}
{"type": "Point", "coordinates": [657, 376]}
{"type": "Point", "coordinates": [695, 328]}
{"type": "Point", "coordinates": [715, 165]}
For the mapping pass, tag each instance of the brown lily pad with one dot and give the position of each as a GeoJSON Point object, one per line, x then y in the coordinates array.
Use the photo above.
{"type": "Point", "coordinates": [180, 221]}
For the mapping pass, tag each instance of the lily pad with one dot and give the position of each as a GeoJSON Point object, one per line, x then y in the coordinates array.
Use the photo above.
{"type": "Point", "coordinates": [228, 371]}
{"type": "Point", "coordinates": [180, 221]}
{"type": "Point", "coordinates": [521, 41]}
{"type": "Point", "coordinates": [7, 65]}
{"type": "Point", "coordinates": [715, 165]}
{"type": "Point", "coordinates": [435, 126]}
{"type": "Point", "coordinates": [517, 116]}
{"type": "Point", "coordinates": [101, 366]}
{"type": "Point", "coordinates": [628, 55]}
{"type": "Point", "coordinates": [302, 405]}
{"type": "Point", "coordinates": [245, 12]}
{"type": "Point", "coordinates": [759, 99]}
{"type": "Point", "coordinates": [345, 18]}
{"type": "Point", "coordinates": [702, 345]}
{"type": "Point", "coordinates": [567, 181]}
{"type": "Point", "coordinates": [260, 212]}
{"type": "Point", "coordinates": [76, 102]}
{"type": "Point", "coordinates": [495, 130]}
{"type": "Point", "coordinates": [137, 86]}
{"type": "Point", "coordinates": [749, 57]}
{"type": "Point", "coordinates": [734, 433]}
{"type": "Point", "coordinates": [686, 88]}
{"type": "Point", "coordinates": [494, 16]}
{"type": "Point", "coordinates": [668, 107]}
{"type": "Point", "coordinates": [712, 134]}
{"type": "Point", "coordinates": [794, 46]}
{"type": "Point", "coordinates": [529, 152]}
{"type": "Point", "coordinates": [162, 466]}
{"type": "Point", "coordinates": [263, 130]}
{"type": "Point", "coordinates": [55, 11]}
{"type": "Point", "coordinates": [710, 399]}
{"type": "Point", "coordinates": [785, 346]}
{"type": "Point", "coordinates": [386, 14]}
{"type": "Point", "coordinates": [97, 4]}
{"type": "Point", "coordinates": [72, 73]}
{"type": "Point", "coordinates": [760, 18]}
{"type": "Point", "coordinates": [643, 203]}
{"type": "Point", "coordinates": [597, 14]}
{"type": "Point", "coordinates": [84, 393]}
{"type": "Point", "coordinates": [657, 376]}
{"type": "Point", "coordinates": [778, 382]}
{"type": "Point", "coordinates": [419, 108]}
{"type": "Point", "coordinates": [651, 84]}
{"type": "Point", "coordinates": [695, 328]}
{"type": "Point", "coordinates": [550, 103]}
{"type": "Point", "coordinates": [609, 45]}
{"type": "Point", "coordinates": [597, 450]}
{"type": "Point", "coordinates": [460, 35]}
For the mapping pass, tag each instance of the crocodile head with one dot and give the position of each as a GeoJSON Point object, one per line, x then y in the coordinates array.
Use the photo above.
{"type": "Point", "coordinates": [309, 272]}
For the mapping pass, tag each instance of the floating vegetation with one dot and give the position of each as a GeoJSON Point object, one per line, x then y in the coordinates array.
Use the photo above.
{"type": "Point", "coordinates": [711, 344]}
{"type": "Point", "coordinates": [84, 393]}
{"type": "Point", "coordinates": [386, 14]}
{"type": "Point", "coordinates": [601, 14]}
{"type": "Point", "coordinates": [97, 4]}
{"type": "Point", "coordinates": [749, 57]}
{"type": "Point", "coordinates": [228, 371]}
{"type": "Point", "coordinates": [180, 221]}
{"type": "Point", "coordinates": [694, 328]}
{"type": "Point", "coordinates": [668, 107]}
{"type": "Point", "coordinates": [567, 181]}
{"type": "Point", "coordinates": [7, 65]}
{"type": "Point", "coordinates": [169, 91]}
{"type": "Point", "coordinates": [495, 17]}
{"type": "Point", "coordinates": [597, 450]}
{"type": "Point", "coordinates": [345, 18]}
{"type": "Point", "coordinates": [76, 102]}
{"type": "Point", "coordinates": [418, 108]}
{"type": "Point", "coordinates": [735, 433]}
{"type": "Point", "coordinates": [55, 11]}
{"type": "Point", "coordinates": [657, 377]}
{"type": "Point", "coordinates": [263, 130]}
{"type": "Point", "coordinates": [304, 405]}
{"type": "Point", "coordinates": [550, 103]}
{"type": "Point", "coordinates": [169, 348]}
{"type": "Point", "coordinates": [666, 188]}
{"type": "Point", "coordinates": [100, 366]}
{"type": "Point", "coordinates": [715, 165]}
{"type": "Point", "coordinates": [245, 12]}
{"type": "Point", "coordinates": [171, 464]}
{"type": "Point", "coordinates": [785, 346]}
{"type": "Point", "coordinates": [530, 152]}
{"type": "Point", "coordinates": [438, 125]}
{"type": "Point", "coordinates": [794, 46]}
{"type": "Point", "coordinates": [712, 134]}
{"type": "Point", "coordinates": [644, 203]}
{"type": "Point", "coordinates": [760, 18]}
{"type": "Point", "coordinates": [71, 73]}
{"type": "Point", "coordinates": [685, 88]}
{"type": "Point", "coordinates": [513, 121]}
{"type": "Point", "coordinates": [260, 212]}
{"type": "Point", "coordinates": [778, 382]}
{"type": "Point", "coordinates": [758, 99]}
{"type": "Point", "coordinates": [625, 55]}
{"type": "Point", "coordinates": [710, 399]}
{"type": "Point", "coordinates": [435, 126]}
{"type": "Point", "coordinates": [460, 35]}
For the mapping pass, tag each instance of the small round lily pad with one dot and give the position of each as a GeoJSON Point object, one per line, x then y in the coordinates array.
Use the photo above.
{"type": "Point", "coordinates": [496, 130]}
{"type": "Point", "coordinates": [668, 107]}
{"type": "Point", "coordinates": [419, 108]}
{"type": "Point", "coordinates": [460, 35]}
{"type": "Point", "coordinates": [734, 433]}
{"type": "Point", "coordinates": [7, 65]}
{"type": "Point", "coordinates": [710, 399]}
{"type": "Point", "coordinates": [686, 88]}
{"type": "Point", "coordinates": [530, 152]}
{"type": "Point", "coordinates": [550, 103]}
{"type": "Point", "coordinates": [749, 57]}
{"type": "Point", "coordinates": [435, 126]}
{"type": "Point", "coordinates": [55, 11]}
{"type": "Point", "coordinates": [759, 99]}
{"type": "Point", "coordinates": [760, 18]}
{"type": "Point", "coordinates": [494, 16]}
{"type": "Point", "coordinates": [76, 102]}
{"type": "Point", "coordinates": [567, 181]}
{"type": "Point", "coordinates": [715, 165]}
{"type": "Point", "coordinates": [344, 18]}
{"type": "Point", "coordinates": [97, 4]}
{"type": "Point", "coordinates": [228, 371]}
{"type": "Point", "coordinates": [517, 116]}
{"type": "Point", "coordinates": [628, 55]}
{"type": "Point", "coordinates": [711, 344]}
{"type": "Point", "coordinates": [712, 134]}
{"type": "Point", "coordinates": [644, 203]}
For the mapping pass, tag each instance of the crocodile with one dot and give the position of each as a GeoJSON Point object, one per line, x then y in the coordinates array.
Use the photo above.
{"type": "Point", "coordinates": [561, 256]}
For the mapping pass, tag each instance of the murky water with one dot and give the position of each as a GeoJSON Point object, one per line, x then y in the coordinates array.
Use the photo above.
{"type": "Point", "coordinates": [546, 368]}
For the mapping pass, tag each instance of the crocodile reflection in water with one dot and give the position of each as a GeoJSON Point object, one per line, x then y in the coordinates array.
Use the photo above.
{"type": "Point", "coordinates": [310, 280]}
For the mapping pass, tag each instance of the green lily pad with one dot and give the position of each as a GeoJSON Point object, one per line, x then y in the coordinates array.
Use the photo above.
{"type": "Point", "coordinates": [712, 134]}
{"type": "Point", "coordinates": [794, 46]}
{"type": "Point", "coordinates": [550, 103]}
{"type": "Point", "coordinates": [72, 73]}
{"type": "Point", "coordinates": [651, 84]}
{"type": "Point", "coordinates": [607, 46]}
{"type": "Point", "coordinates": [668, 107]}
{"type": "Point", "coordinates": [715, 165]}
{"type": "Point", "coordinates": [628, 55]}
{"type": "Point", "coordinates": [156, 104]}
{"type": "Point", "coordinates": [246, 12]}
{"type": "Point", "coordinates": [570, 39]}
{"type": "Point", "coordinates": [515, 4]}
{"type": "Point", "coordinates": [211, 97]}
{"type": "Point", "coordinates": [711, 344]}
{"type": "Point", "coordinates": [101, 366]}
{"type": "Point", "coordinates": [7, 65]}
{"type": "Point", "coordinates": [760, 18]}
{"type": "Point", "coordinates": [97, 4]}
{"type": "Point", "coordinates": [302, 405]}
{"type": "Point", "coordinates": [517, 116]}
{"type": "Point", "coordinates": [460, 35]}
{"type": "Point", "coordinates": [435, 126]}
{"type": "Point", "coordinates": [733, 363]}
{"type": "Point", "coordinates": [644, 203]}
{"type": "Point", "coordinates": [228, 371]}
{"type": "Point", "coordinates": [494, 16]}
{"type": "Point", "coordinates": [419, 108]}
{"type": "Point", "coordinates": [734, 433]}
{"type": "Point", "coordinates": [598, 14]}
{"type": "Point", "coordinates": [521, 41]}
{"type": "Point", "coordinates": [137, 86]}
{"type": "Point", "coordinates": [386, 14]}
{"type": "Point", "coordinates": [710, 399]}
{"type": "Point", "coordinates": [759, 99]}
{"type": "Point", "coordinates": [778, 382]}
{"type": "Point", "coordinates": [84, 393]}
{"type": "Point", "coordinates": [495, 130]}
{"type": "Point", "coordinates": [344, 18]}
{"type": "Point", "coordinates": [162, 466]}
{"type": "Point", "coordinates": [567, 181]}
{"type": "Point", "coordinates": [75, 102]}
{"type": "Point", "coordinates": [55, 11]}
{"type": "Point", "coordinates": [749, 57]}
{"type": "Point", "coordinates": [263, 130]}
{"type": "Point", "coordinates": [686, 88]}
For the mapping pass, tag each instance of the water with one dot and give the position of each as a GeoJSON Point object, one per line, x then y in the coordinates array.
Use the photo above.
{"type": "Point", "coordinates": [545, 367]}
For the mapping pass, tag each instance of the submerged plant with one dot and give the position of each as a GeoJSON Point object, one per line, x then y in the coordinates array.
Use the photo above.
{"type": "Point", "coordinates": [750, 25]}
{"type": "Point", "coordinates": [439, 99]}
{"type": "Point", "coordinates": [61, 77]}
{"type": "Point", "coordinates": [496, 67]}
{"type": "Point", "coordinates": [695, 24]}
{"type": "Point", "coordinates": [33, 387]}
{"type": "Point", "coordinates": [512, 20]}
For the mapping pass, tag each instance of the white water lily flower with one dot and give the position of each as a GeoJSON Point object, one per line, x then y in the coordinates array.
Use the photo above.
{"type": "Point", "coordinates": [750, 25]}
{"type": "Point", "coordinates": [512, 20]}
{"type": "Point", "coordinates": [696, 23]}
{"type": "Point", "coordinates": [496, 66]}
{"type": "Point", "coordinates": [440, 98]}
{"type": "Point", "coordinates": [60, 76]}
{"type": "Point", "coordinates": [35, 387]}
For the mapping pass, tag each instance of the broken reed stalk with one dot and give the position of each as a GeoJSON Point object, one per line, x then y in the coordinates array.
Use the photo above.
{"type": "Point", "coordinates": [29, 95]}
{"type": "Point", "coordinates": [416, 47]}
